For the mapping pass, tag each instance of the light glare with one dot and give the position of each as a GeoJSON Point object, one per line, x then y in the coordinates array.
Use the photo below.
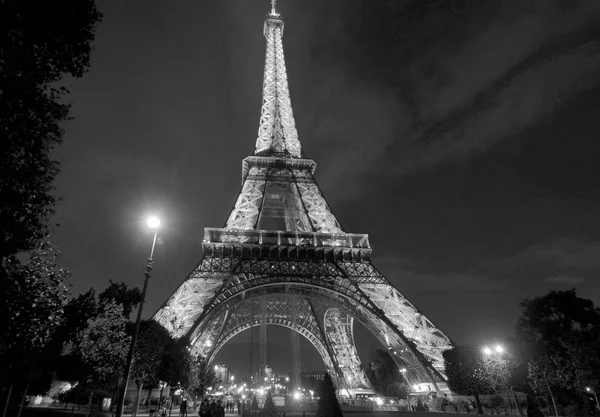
{"type": "Point", "coordinates": [487, 350]}
{"type": "Point", "coordinates": [499, 349]}
{"type": "Point", "coordinates": [153, 222]}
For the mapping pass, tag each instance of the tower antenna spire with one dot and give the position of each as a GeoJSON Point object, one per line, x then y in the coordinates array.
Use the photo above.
{"type": "Point", "coordinates": [273, 8]}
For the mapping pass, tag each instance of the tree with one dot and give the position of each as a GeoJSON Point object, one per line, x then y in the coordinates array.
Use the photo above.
{"type": "Point", "coordinates": [118, 292]}
{"type": "Point", "coordinates": [421, 407]}
{"type": "Point", "coordinates": [466, 373]}
{"type": "Point", "coordinates": [32, 299]}
{"type": "Point", "coordinates": [398, 389]}
{"type": "Point", "coordinates": [177, 365]}
{"type": "Point", "coordinates": [559, 336]}
{"type": "Point", "coordinates": [105, 343]}
{"type": "Point", "coordinates": [328, 405]}
{"type": "Point", "coordinates": [201, 376]}
{"type": "Point", "coordinates": [40, 43]}
{"type": "Point", "coordinates": [383, 374]}
{"type": "Point", "coordinates": [151, 346]}
{"type": "Point", "coordinates": [268, 409]}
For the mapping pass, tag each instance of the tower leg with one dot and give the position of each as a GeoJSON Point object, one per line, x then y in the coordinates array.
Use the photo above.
{"type": "Point", "coordinates": [295, 339]}
{"type": "Point", "coordinates": [263, 334]}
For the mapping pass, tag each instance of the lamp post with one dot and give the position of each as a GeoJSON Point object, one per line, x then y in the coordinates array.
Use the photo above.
{"type": "Point", "coordinates": [592, 391]}
{"type": "Point", "coordinates": [153, 223]}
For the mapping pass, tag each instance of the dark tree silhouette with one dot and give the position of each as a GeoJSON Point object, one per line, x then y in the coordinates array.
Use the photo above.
{"type": "Point", "coordinates": [268, 409]}
{"type": "Point", "coordinates": [385, 376]}
{"type": "Point", "coordinates": [466, 373]}
{"type": "Point", "coordinates": [421, 407]}
{"type": "Point", "coordinates": [40, 43]}
{"type": "Point", "coordinates": [328, 405]}
{"type": "Point", "coordinates": [559, 334]}
{"type": "Point", "coordinates": [129, 298]}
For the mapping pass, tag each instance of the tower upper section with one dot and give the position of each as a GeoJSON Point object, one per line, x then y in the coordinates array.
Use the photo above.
{"type": "Point", "coordinates": [277, 134]}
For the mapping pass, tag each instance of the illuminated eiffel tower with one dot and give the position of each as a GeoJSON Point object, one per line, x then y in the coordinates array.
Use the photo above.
{"type": "Point", "coordinates": [283, 259]}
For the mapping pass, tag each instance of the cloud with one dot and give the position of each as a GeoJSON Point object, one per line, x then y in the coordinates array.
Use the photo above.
{"type": "Point", "coordinates": [407, 274]}
{"type": "Point", "coordinates": [564, 254]}
{"type": "Point", "coordinates": [565, 279]}
{"type": "Point", "coordinates": [438, 89]}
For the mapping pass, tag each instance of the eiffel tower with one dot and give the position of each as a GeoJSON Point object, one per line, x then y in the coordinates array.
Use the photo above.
{"type": "Point", "coordinates": [283, 259]}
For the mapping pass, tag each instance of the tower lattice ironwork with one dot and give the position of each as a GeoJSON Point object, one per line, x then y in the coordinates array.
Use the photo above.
{"type": "Point", "coordinates": [283, 259]}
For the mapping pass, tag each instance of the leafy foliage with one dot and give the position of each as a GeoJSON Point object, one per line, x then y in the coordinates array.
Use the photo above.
{"type": "Point", "coordinates": [384, 375]}
{"type": "Point", "coordinates": [466, 372]}
{"type": "Point", "coordinates": [118, 292]}
{"type": "Point", "coordinates": [32, 299]}
{"type": "Point", "coordinates": [152, 344]}
{"type": "Point", "coordinates": [560, 336]}
{"type": "Point", "coordinates": [176, 366]}
{"type": "Point", "coordinates": [328, 405]}
{"type": "Point", "coordinates": [398, 389]}
{"type": "Point", "coordinates": [40, 43]}
{"type": "Point", "coordinates": [545, 319]}
{"type": "Point", "coordinates": [201, 376]}
{"type": "Point", "coordinates": [105, 343]}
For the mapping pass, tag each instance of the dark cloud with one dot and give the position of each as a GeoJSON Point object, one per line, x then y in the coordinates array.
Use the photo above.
{"type": "Point", "coordinates": [439, 86]}
{"type": "Point", "coordinates": [565, 279]}
{"type": "Point", "coordinates": [564, 254]}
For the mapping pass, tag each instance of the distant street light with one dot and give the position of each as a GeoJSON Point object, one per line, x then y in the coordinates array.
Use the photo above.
{"type": "Point", "coordinates": [590, 390]}
{"type": "Point", "coordinates": [496, 355]}
{"type": "Point", "coordinates": [153, 223]}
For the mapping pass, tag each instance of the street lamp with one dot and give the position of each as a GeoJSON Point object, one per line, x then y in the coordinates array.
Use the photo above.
{"type": "Point", "coordinates": [590, 390]}
{"type": "Point", "coordinates": [495, 355]}
{"type": "Point", "coordinates": [153, 223]}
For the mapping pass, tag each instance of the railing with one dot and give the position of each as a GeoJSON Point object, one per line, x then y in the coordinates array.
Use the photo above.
{"type": "Point", "coordinates": [278, 237]}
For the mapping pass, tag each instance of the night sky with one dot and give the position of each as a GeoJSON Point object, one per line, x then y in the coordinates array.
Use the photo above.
{"type": "Point", "coordinates": [462, 136]}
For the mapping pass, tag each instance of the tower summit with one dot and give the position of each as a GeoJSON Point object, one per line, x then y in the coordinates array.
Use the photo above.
{"type": "Point", "coordinates": [283, 259]}
{"type": "Point", "coordinates": [277, 135]}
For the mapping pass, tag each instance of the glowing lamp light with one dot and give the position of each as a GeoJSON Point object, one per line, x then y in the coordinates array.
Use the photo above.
{"type": "Point", "coordinates": [216, 367]}
{"type": "Point", "coordinates": [297, 395]}
{"type": "Point", "coordinates": [487, 350]}
{"type": "Point", "coordinates": [499, 349]}
{"type": "Point", "coordinates": [153, 222]}
{"type": "Point", "coordinates": [208, 343]}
